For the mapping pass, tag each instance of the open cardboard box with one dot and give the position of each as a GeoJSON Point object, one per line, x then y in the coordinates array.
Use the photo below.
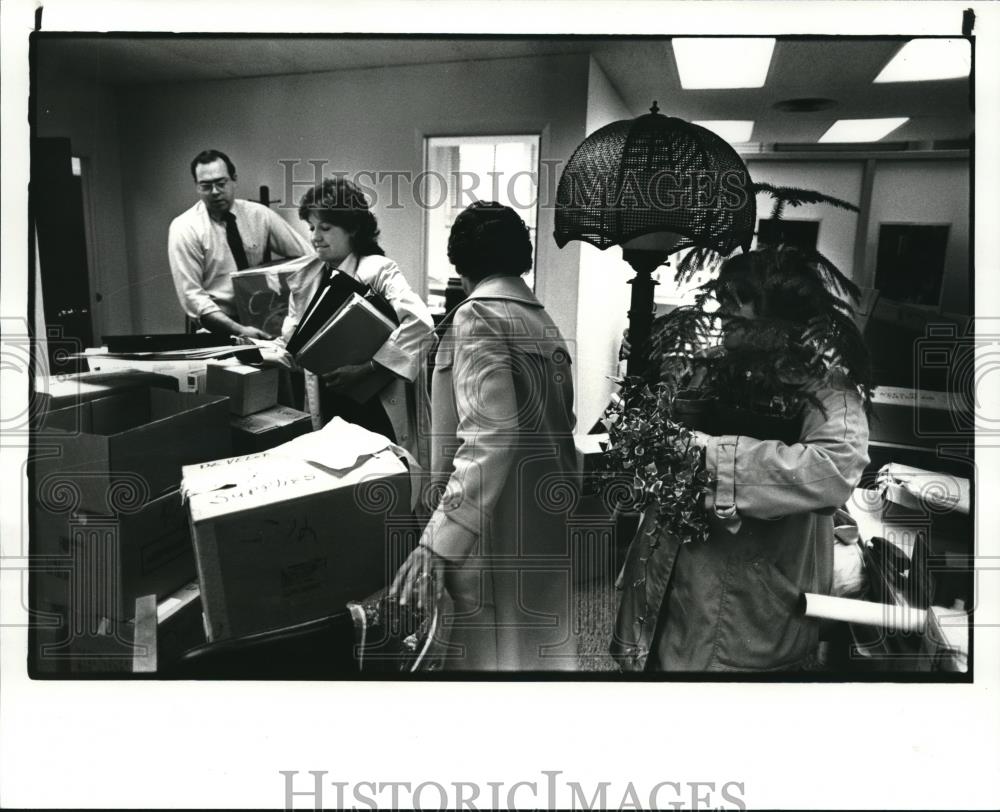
{"type": "Point", "coordinates": [117, 452]}
{"type": "Point", "coordinates": [60, 392]}
{"type": "Point", "coordinates": [292, 534]}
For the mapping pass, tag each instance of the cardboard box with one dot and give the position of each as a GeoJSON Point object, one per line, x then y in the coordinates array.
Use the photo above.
{"type": "Point", "coordinates": [60, 392]}
{"type": "Point", "coordinates": [62, 646]}
{"type": "Point", "coordinates": [291, 535]}
{"type": "Point", "coordinates": [98, 565]}
{"type": "Point", "coordinates": [123, 450]}
{"type": "Point", "coordinates": [249, 389]}
{"type": "Point", "coordinates": [269, 428]}
{"type": "Point", "coordinates": [188, 373]}
{"type": "Point", "coordinates": [180, 625]}
{"type": "Point", "coordinates": [913, 416]}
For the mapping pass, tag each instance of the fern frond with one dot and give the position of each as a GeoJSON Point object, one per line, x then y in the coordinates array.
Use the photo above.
{"type": "Point", "coordinates": [791, 196]}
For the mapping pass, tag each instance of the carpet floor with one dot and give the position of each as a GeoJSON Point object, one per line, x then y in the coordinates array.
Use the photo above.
{"type": "Point", "coordinates": [596, 607]}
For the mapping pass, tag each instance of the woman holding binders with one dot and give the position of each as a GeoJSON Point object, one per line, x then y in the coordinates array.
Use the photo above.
{"type": "Point", "coordinates": [345, 237]}
{"type": "Point", "coordinates": [504, 459]}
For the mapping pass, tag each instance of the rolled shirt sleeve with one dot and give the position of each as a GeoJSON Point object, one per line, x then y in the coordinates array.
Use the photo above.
{"type": "Point", "coordinates": [767, 479]}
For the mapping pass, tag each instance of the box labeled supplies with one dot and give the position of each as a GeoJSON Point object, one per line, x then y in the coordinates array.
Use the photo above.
{"type": "Point", "coordinates": [292, 534]}
{"type": "Point", "coordinates": [269, 428]}
{"type": "Point", "coordinates": [121, 451]}
{"type": "Point", "coordinates": [249, 389]}
{"type": "Point", "coordinates": [98, 565]}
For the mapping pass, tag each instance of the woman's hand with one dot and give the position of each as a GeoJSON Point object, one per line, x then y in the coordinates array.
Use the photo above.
{"type": "Point", "coordinates": [345, 378]}
{"type": "Point", "coordinates": [420, 576]}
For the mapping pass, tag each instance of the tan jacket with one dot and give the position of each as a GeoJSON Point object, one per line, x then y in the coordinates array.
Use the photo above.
{"type": "Point", "coordinates": [502, 452]}
{"type": "Point", "coordinates": [404, 352]}
{"type": "Point", "coordinates": [731, 602]}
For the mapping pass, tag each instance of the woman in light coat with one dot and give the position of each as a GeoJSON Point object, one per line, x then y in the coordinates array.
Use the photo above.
{"type": "Point", "coordinates": [345, 237]}
{"type": "Point", "coordinates": [731, 602]}
{"type": "Point", "coordinates": [503, 459]}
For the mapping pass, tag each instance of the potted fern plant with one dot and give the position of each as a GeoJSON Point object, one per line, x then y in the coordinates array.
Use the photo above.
{"type": "Point", "coordinates": [741, 359]}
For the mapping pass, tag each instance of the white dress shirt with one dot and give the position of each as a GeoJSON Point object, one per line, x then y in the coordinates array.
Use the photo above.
{"type": "Point", "coordinates": [201, 261]}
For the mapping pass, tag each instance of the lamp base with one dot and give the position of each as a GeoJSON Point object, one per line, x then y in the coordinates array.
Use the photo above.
{"type": "Point", "coordinates": [642, 306]}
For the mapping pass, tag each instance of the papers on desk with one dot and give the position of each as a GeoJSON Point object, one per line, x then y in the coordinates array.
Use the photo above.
{"type": "Point", "coordinates": [916, 488]}
{"type": "Point", "coordinates": [246, 354]}
{"type": "Point", "coordinates": [186, 366]}
{"type": "Point", "coordinates": [945, 632]}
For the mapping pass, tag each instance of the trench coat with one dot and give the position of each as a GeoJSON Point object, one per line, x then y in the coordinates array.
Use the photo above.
{"type": "Point", "coordinates": [404, 353]}
{"type": "Point", "coordinates": [731, 602]}
{"type": "Point", "coordinates": [503, 461]}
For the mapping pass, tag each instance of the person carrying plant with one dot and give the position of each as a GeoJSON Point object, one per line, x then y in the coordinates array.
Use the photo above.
{"type": "Point", "coordinates": [736, 523]}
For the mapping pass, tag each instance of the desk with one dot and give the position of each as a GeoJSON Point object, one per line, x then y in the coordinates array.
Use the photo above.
{"type": "Point", "coordinates": [944, 645]}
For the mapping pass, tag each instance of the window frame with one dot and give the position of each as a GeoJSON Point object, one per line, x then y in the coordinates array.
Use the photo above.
{"type": "Point", "coordinates": [436, 141]}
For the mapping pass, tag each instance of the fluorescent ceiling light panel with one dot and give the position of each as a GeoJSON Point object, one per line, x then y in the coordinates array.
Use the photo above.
{"type": "Point", "coordinates": [735, 132]}
{"type": "Point", "coordinates": [722, 62]}
{"type": "Point", "coordinates": [852, 130]}
{"type": "Point", "coordinates": [924, 60]}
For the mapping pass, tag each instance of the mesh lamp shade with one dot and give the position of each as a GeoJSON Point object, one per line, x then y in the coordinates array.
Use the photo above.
{"type": "Point", "coordinates": [652, 174]}
{"type": "Point", "coordinates": [654, 185]}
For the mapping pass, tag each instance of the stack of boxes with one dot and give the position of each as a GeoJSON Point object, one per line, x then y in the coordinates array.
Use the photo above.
{"type": "Point", "coordinates": [258, 423]}
{"type": "Point", "coordinates": [107, 522]}
{"type": "Point", "coordinates": [126, 502]}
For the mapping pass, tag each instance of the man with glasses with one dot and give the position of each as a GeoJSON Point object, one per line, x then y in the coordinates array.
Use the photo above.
{"type": "Point", "coordinates": [218, 235]}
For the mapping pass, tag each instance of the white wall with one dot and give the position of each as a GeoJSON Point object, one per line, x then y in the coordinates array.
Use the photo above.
{"type": "Point", "coordinates": [370, 119]}
{"type": "Point", "coordinates": [837, 227]}
{"type": "Point", "coordinates": [85, 113]}
{"type": "Point", "coordinates": [604, 294]}
{"type": "Point", "coordinates": [928, 192]}
{"type": "Point", "coordinates": [903, 191]}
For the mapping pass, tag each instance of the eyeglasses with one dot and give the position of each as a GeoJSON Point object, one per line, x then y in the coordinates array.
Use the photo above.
{"type": "Point", "coordinates": [213, 185]}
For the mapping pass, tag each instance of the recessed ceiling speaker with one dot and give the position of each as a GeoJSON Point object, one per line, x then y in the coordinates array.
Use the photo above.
{"type": "Point", "coordinates": [804, 105]}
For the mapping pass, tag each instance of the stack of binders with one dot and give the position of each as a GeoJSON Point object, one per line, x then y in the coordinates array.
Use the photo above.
{"type": "Point", "coordinates": [345, 324]}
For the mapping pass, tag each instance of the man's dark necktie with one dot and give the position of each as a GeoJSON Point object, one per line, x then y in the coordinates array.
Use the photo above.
{"type": "Point", "coordinates": [236, 242]}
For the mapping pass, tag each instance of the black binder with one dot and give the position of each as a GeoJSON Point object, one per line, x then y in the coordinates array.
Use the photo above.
{"type": "Point", "coordinates": [328, 300]}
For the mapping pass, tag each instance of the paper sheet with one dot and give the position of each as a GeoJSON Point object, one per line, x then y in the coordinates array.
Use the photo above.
{"type": "Point", "coordinates": [337, 447]}
{"type": "Point", "coordinates": [937, 490]}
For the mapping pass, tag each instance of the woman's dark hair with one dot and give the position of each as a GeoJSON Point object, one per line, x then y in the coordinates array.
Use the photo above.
{"type": "Point", "coordinates": [207, 156]}
{"type": "Point", "coordinates": [341, 203]}
{"type": "Point", "coordinates": [488, 239]}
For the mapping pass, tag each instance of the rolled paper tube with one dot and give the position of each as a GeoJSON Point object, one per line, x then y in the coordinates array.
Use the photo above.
{"type": "Point", "coordinates": [883, 615]}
